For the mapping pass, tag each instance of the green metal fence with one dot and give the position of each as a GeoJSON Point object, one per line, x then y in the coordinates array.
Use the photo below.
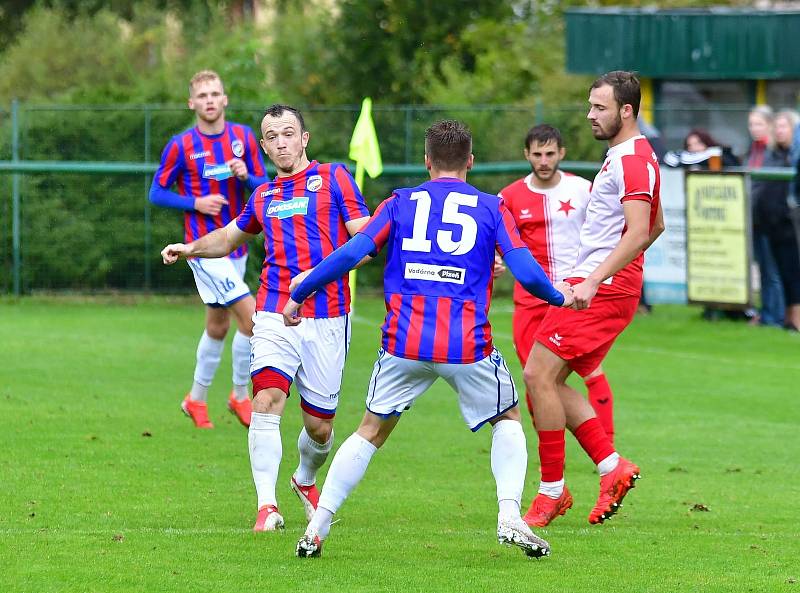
{"type": "Point", "coordinates": [74, 211]}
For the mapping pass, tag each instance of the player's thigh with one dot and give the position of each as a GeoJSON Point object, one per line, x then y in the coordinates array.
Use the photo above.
{"type": "Point", "coordinates": [485, 388]}
{"type": "Point", "coordinates": [243, 311]}
{"type": "Point", "coordinates": [396, 382]}
{"type": "Point", "coordinates": [322, 355]}
{"type": "Point", "coordinates": [274, 345]}
{"type": "Point", "coordinates": [525, 322]}
{"type": "Point", "coordinates": [219, 280]}
{"type": "Point", "coordinates": [609, 318]}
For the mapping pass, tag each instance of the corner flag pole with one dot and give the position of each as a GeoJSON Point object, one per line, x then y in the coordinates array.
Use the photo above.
{"type": "Point", "coordinates": [366, 153]}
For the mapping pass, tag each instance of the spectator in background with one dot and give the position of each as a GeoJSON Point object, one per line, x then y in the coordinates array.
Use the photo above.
{"type": "Point", "coordinates": [759, 124]}
{"type": "Point", "coordinates": [699, 151]}
{"type": "Point", "coordinates": [772, 217]}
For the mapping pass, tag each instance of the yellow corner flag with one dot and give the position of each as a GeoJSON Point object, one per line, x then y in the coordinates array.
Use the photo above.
{"type": "Point", "coordinates": [366, 153]}
{"type": "Point", "coordinates": [364, 148]}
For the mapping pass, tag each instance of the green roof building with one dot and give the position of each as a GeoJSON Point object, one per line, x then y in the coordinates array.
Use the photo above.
{"type": "Point", "coordinates": [699, 67]}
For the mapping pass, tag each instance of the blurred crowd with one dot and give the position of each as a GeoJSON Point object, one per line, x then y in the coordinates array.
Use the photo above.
{"type": "Point", "coordinates": [775, 142]}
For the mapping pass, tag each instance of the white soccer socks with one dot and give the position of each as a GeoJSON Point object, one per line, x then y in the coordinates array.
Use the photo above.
{"type": "Point", "coordinates": [240, 353]}
{"type": "Point", "coordinates": [209, 353]}
{"type": "Point", "coordinates": [509, 458]}
{"type": "Point", "coordinates": [347, 469]}
{"type": "Point", "coordinates": [264, 442]}
{"type": "Point", "coordinates": [312, 457]}
{"type": "Point", "coordinates": [609, 464]}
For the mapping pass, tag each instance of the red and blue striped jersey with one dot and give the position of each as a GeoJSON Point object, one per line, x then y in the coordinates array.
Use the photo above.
{"type": "Point", "coordinates": [303, 218]}
{"type": "Point", "coordinates": [440, 240]}
{"type": "Point", "coordinates": [195, 162]}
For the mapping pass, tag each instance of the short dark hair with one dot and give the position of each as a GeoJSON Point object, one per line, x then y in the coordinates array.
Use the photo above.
{"type": "Point", "coordinates": [542, 134]}
{"type": "Point", "coordinates": [448, 144]}
{"type": "Point", "coordinates": [277, 109]}
{"type": "Point", "coordinates": [627, 89]}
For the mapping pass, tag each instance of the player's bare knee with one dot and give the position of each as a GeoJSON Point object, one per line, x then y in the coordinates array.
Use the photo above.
{"type": "Point", "coordinates": [217, 328]}
{"type": "Point", "coordinates": [319, 429]}
{"type": "Point", "coordinates": [269, 401]}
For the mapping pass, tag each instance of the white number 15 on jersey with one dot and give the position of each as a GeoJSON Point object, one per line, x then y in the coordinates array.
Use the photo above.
{"type": "Point", "coordinates": [419, 241]}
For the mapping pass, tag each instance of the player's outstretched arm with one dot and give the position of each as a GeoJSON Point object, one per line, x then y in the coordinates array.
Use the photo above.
{"type": "Point", "coordinates": [530, 274]}
{"type": "Point", "coordinates": [353, 226]}
{"type": "Point", "coordinates": [336, 265]}
{"type": "Point", "coordinates": [218, 243]}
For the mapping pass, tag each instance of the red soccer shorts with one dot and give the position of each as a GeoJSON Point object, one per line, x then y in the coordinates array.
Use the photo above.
{"type": "Point", "coordinates": [525, 324]}
{"type": "Point", "coordinates": [583, 338]}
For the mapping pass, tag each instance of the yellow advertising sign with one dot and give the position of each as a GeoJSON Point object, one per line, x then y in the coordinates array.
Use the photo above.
{"type": "Point", "coordinates": [717, 238]}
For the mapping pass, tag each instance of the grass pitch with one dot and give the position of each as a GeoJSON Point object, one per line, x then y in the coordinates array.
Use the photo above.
{"type": "Point", "coordinates": [105, 486]}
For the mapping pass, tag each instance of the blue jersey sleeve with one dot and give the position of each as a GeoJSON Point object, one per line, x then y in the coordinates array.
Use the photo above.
{"type": "Point", "coordinates": [531, 275]}
{"type": "Point", "coordinates": [336, 265]}
{"type": "Point", "coordinates": [169, 199]}
{"type": "Point", "coordinates": [172, 163]}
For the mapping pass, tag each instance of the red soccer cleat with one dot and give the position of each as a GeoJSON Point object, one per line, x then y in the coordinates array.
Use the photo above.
{"type": "Point", "coordinates": [544, 509]}
{"type": "Point", "coordinates": [308, 495]}
{"type": "Point", "coordinates": [268, 519]}
{"type": "Point", "coordinates": [197, 411]}
{"type": "Point", "coordinates": [613, 488]}
{"type": "Point", "coordinates": [242, 409]}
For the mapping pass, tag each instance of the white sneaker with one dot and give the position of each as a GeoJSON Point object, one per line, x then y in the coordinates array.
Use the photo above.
{"type": "Point", "coordinates": [513, 531]}
{"type": "Point", "coordinates": [268, 519]}
{"type": "Point", "coordinates": [309, 546]}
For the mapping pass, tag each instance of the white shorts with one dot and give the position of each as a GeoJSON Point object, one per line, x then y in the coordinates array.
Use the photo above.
{"type": "Point", "coordinates": [311, 354]}
{"type": "Point", "coordinates": [220, 281]}
{"type": "Point", "coordinates": [485, 388]}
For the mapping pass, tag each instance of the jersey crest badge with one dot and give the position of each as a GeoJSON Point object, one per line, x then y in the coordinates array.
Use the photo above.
{"type": "Point", "coordinates": [314, 183]}
{"type": "Point", "coordinates": [237, 146]}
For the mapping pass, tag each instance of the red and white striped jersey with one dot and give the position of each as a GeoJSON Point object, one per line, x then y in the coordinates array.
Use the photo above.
{"type": "Point", "coordinates": [549, 222]}
{"type": "Point", "coordinates": [630, 172]}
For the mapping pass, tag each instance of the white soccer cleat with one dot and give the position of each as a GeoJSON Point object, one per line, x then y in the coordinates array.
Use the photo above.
{"type": "Point", "coordinates": [309, 546]}
{"type": "Point", "coordinates": [268, 519]}
{"type": "Point", "coordinates": [513, 531]}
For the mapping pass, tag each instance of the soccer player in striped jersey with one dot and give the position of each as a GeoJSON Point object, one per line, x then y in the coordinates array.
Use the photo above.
{"type": "Point", "coordinates": [549, 207]}
{"type": "Point", "coordinates": [440, 240]}
{"type": "Point", "coordinates": [623, 218]}
{"type": "Point", "coordinates": [305, 213]}
{"type": "Point", "coordinates": [214, 166]}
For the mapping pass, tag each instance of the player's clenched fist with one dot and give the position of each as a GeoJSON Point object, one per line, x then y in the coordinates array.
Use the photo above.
{"type": "Point", "coordinates": [172, 253]}
{"type": "Point", "coordinates": [584, 293]}
{"type": "Point", "coordinates": [210, 204]}
{"type": "Point", "coordinates": [238, 168]}
{"type": "Point", "coordinates": [290, 316]}
{"type": "Point", "coordinates": [566, 289]}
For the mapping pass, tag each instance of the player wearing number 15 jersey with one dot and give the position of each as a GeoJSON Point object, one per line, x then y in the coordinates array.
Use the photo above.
{"type": "Point", "coordinates": [440, 239]}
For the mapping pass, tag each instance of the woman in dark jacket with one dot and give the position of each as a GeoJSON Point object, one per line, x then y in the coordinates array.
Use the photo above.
{"type": "Point", "coordinates": [772, 217]}
{"type": "Point", "coordinates": [772, 312]}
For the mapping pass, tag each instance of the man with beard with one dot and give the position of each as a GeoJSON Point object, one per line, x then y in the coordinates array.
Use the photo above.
{"type": "Point", "coordinates": [623, 218]}
{"type": "Point", "coordinates": [214, 166]}
{"type": "Point", "coordinates": [549, 207]}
